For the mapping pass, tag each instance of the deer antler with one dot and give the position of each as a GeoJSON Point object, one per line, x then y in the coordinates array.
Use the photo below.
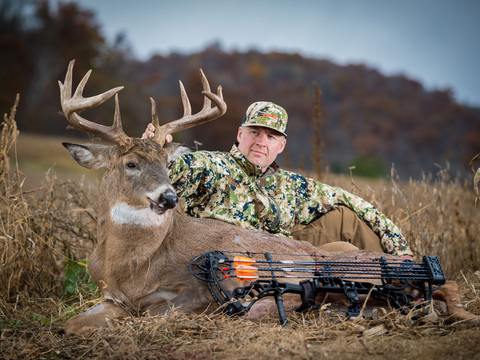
{"type": "Point", "coordinates": [188, 120]}
{"type": "Point", "coordinates": [76, 103]}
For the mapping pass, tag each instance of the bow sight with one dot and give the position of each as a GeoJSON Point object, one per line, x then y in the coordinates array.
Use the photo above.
{"type": "Point", "coordinates": [350, 276]}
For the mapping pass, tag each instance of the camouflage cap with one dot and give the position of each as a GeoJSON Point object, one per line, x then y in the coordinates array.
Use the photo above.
{"type": "Point", "coordinates": [266, 114]}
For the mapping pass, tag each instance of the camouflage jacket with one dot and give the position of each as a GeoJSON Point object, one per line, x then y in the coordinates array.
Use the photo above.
{"type": "Point", "coordinates": [227, 187]}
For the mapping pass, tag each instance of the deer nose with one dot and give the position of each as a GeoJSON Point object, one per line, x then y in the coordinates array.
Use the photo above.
{"type": "Point", "coordinates": [168, 199]}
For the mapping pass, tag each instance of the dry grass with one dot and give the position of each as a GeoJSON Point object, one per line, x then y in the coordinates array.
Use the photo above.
{"type": "Point", "coordinates": [40, 230]}
{"type": "Point", "coordinates": [315, 335]}
{"type": "Point", "coordinates": [46, 231]}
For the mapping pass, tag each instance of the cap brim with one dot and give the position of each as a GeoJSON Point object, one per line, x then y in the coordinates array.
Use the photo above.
{"type": "Point", "coordinates": [266, 126]}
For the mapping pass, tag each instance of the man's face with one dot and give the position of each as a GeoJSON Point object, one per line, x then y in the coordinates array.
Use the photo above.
{"type": "Point", "coordinates": [260, 145]}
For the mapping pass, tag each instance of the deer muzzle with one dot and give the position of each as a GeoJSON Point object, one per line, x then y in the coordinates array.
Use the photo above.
{"type": "Point", "coordinates": [167, 200]}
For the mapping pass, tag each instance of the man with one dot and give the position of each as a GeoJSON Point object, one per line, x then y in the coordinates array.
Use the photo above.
{"type": "Point", "coordinates": [245, 187]}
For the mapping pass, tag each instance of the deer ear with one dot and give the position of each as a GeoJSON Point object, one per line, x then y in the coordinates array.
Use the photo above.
{"type": "Point", "coordinates": [175, 150]}
{"type": "Point", "coordinates": [90, 156]}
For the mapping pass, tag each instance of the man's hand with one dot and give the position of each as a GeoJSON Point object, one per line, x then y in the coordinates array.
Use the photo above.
{"type": "Point", "coordinates": [150, 132]}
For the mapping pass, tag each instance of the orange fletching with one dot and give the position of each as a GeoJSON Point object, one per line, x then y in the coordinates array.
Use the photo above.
{"type": "Point", "coordinates": [241, 260]}
{"type": "Point", "coordinates": [246, 272]}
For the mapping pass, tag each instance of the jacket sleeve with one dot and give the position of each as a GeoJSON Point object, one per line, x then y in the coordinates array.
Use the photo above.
{"type": "Point", "coordinates": [319, 198]}
{"type": "Point", "coordinates": [190, 174]}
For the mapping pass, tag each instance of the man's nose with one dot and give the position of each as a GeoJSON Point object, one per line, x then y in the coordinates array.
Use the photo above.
{"type": "Point", "coordinates": [262, 139]}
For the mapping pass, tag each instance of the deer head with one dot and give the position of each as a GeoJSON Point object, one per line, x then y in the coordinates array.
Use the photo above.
{"type": "Point", "coordinates": [136, 175]}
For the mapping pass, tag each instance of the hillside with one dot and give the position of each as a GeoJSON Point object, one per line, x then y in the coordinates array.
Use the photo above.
{"type": "Point", "coordinates": [366, 116]}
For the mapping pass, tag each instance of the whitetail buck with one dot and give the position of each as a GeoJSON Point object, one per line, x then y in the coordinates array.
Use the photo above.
{"type": "Point", "coordinates": [144, 246]}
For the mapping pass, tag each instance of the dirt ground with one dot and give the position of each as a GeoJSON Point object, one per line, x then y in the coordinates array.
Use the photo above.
{"type": "Point", "coordinates": [316, 335]}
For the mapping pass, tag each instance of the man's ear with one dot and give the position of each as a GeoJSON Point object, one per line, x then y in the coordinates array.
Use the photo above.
{"type": "Point", "coordinates": [284, 143]}
{"type": "Point", "coordinates": [239, 134]}
{"type": "Point", "coordinates": [175, 150]}
{"type": "Point", "coordinates": [90, 156]}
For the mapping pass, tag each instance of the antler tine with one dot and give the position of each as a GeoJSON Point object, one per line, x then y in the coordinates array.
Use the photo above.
{"type": "Point", "coordinates": [71, 105]}
{"type": "Point", "coordinates": [155, 120]}
{"type": "Point", "coordinates": [66, 88]}
{"type": "Point", "coordinates": [160, 134]}
{"type": "Point", "coordinates": [116, 132]}
{"type": "Point", "coordinates": [188, 120]}
{"type": "Point", "coordinates": [187, 108]}
{"type": "Point", "coordinates": [206, 88]}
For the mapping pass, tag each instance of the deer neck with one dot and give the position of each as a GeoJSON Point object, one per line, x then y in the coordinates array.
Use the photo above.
{"type": "Point", "coordinates": [129, 242]}
{"type": "Point", "coordinates": [120, 224]}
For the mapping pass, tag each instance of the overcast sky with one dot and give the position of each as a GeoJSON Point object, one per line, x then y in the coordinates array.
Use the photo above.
{"type": "Point", "coordinates": [436, 42]}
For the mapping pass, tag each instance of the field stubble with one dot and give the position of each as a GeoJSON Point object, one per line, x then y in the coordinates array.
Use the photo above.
{"type": "Point", "coordinates": [47, 230]}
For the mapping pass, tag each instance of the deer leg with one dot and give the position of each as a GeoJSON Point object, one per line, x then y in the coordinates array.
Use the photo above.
{"type": "Point", "coordinates": [455, 310]}
{"type": "Point", "coordinates": [267, 305]}
{"type": "Point", "coordinates": [338, 246]}
{"type": "Point", "coordinates": [93, 319]}
{"type": "Point", "coordinates": [262, 308]}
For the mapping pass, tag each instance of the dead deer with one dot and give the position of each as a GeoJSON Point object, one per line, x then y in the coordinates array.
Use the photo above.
{"type": "Point", "coordinates": [144, 246]}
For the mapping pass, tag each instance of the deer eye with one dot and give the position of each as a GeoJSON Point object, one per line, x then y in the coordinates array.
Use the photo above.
{"type": "Point", "coordinates": [131, 165]}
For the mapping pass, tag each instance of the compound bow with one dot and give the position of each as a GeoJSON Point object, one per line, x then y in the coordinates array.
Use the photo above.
{"type": "Point", "coordinates": [321, 273]}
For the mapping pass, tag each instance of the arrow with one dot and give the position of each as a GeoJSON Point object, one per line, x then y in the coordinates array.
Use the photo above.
{"type": "Point", "coordinates": [360, 268]}
{"type": "Point", "coordinates": [256, 276]}
{"type": "Point", "coordinates": [250, 261]}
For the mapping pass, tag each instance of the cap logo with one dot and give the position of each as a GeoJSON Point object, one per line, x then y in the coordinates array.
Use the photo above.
{"type": "Point", "coordinates": [267, 115]}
